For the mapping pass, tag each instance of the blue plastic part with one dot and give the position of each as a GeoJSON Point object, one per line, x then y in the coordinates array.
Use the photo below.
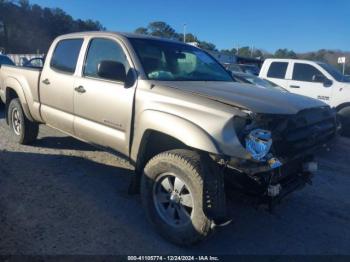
{"type": "Point", "coordinates": [258, 143]}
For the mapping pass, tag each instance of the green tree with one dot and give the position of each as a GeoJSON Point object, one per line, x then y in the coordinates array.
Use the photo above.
{"type": "Point", "coordinates": [232, 51]}
{"type": "Point", "coordinates": [161, 29]}
{"type": "Point", "coordinates": [158, 28]}
{"type": "Point", "coordinates": [319, 55]}
{"type": "Point", "coordinates": [26, 28]}
{"type": "Point", "coordinates": [258, 53]}
{"type": "Point", "coordinates": [141, 31]}
{"type": "Point", "coordinates": [207, 46]}
{"type": "Point", "coordinates": [24, 4]}
{"type": "Point", "coordinates": [189, 38]}
{"type": "Point", "coordinates": [285, 53]}
{"type": "Point", "coordinates": [244, 51]}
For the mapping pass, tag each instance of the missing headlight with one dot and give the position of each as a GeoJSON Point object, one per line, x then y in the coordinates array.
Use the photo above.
{"type": "Point", "coordinates": [258, 143]}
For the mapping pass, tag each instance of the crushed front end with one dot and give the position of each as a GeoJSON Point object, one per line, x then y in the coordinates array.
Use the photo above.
{"type": "Point", "coordinates": [281, 149]}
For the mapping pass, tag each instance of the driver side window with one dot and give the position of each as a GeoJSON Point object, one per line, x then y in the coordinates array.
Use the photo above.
{"type": "Point", "coordinates": [101, 49]}
{"type": "Point", "coordinates": [305, 72]}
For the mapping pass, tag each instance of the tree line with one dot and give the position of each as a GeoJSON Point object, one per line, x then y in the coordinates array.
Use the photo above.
{"type": "Point", "coordinates": [27, 28]}
{"type": "Point", "coordinates": [162, 29]}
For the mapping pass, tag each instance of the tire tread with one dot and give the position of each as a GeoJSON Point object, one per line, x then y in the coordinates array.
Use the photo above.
{"type": "Point", "coordinates": [30, 129]}
{"type": "Point", "coordinates": [191, 161]}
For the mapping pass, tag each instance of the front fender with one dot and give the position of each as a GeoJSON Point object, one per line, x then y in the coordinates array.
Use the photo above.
{"type": "Point", "coordinates": [183, 130]}
{"type": "Point", "coordinates": [341, 97]}
{"type": "Point", "coordinates": [12, 83]}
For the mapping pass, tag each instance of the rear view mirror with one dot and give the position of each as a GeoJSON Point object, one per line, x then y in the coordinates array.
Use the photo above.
{"type": "Point", "coordinates": [111, 70]}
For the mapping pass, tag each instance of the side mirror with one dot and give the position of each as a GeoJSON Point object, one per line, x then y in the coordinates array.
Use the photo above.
{"type": "Point", "coordinates": [111, 70]}
{"type": "Point", "coordinates": [131, 77]}
{"type": "Point", "coordinates": [322, 79]}
{"type": "Point", "coordinates": [327, 82]}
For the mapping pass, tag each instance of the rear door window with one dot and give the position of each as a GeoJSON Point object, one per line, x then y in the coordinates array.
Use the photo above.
{"type": "Point", "coordinates": [277, 70]}
{"type": "Point", "coordinates": [66, 55]}
{"type": "Point", "coordinates": [305, 72]}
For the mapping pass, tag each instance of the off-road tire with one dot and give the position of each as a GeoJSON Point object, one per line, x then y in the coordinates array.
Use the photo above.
{"type": "Point", "coordinates": [187, 166]}
{"type": "Point", "coordinates": [28, 130]}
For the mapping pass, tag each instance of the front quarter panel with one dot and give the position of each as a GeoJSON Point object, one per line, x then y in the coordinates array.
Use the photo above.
{"type": "Point", "coordinates": [197, 122]}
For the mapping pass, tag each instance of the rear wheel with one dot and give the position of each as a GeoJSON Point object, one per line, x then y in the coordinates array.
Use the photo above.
{"type": "Point", "coordinates": [172, 195]}
{"type": "Point", "coordinates": [23, 130]}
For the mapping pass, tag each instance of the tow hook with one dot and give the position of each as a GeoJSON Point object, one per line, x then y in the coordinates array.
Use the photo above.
{"type": "Point", "coordinates": [274, 190]}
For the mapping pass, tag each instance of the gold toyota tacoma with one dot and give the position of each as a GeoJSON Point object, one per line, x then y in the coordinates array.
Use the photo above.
{"type": "Point", "coordinates": [191, 132]}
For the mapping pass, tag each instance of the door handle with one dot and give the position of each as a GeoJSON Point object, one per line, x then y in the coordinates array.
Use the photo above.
{"type": "Point", "coordinates": [293, 86]}
{"type": "Point", "coordinates": [46, 81]}
{"type": "Point", "coordinates": [80, 89]}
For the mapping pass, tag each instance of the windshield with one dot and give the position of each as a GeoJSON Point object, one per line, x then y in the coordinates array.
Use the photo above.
{"type": "Point", "coordinates": [4, 60]}
{"type": "Point", "coordinates": [335, 73]}
{"type": "Point", "coordinates": [251, 69]}
{"type": "Point", "coordinates": [166, 61]}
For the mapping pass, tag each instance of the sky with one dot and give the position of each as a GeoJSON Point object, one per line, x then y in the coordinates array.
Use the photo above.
{"type": "Point", "coordinates": [303, 26]}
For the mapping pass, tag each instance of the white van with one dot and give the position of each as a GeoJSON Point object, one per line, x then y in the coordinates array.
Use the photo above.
{"type": "Point", "coordinates": [313, 79]}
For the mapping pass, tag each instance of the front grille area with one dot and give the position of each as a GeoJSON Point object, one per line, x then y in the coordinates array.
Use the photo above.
{"type": "Point", "coordinates": [308, 129]}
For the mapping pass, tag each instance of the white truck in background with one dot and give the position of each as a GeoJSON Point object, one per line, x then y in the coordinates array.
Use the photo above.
{"type": "Point", "coordinates": [313, 79]}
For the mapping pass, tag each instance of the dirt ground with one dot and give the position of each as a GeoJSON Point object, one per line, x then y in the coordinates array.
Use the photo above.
{"type": "Point", "coordinates": [61, 196]}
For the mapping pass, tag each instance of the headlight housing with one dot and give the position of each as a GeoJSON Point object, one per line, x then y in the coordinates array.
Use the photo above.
{"type": "Point", "coordinates": [258, 143]}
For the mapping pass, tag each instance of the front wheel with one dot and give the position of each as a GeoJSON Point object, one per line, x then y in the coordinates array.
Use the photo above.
{"type": "Point", "coordinates": [23, 130]}
{"type": "Point", "coordinates": [172, 195]}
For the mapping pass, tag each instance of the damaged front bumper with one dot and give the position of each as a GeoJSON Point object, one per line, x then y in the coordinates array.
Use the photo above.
{"type": "Point", "coordinates": [267, 185]}
{"type": "Point", "coordinates": [280, 155]}
{"type": "Point", "coordinates": [286, 187]}
{"type": "Point", "coordinates": [281, 149]}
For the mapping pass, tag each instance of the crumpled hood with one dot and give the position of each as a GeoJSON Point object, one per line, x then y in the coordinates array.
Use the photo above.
{"type": "Point", "coordinates": [255, 99]}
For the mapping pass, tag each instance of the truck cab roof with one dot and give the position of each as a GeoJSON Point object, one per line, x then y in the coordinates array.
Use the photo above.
{"type": "Point", "coordinates": [291, 60]}
{"type": "Point", "coordinates": [119, 34]}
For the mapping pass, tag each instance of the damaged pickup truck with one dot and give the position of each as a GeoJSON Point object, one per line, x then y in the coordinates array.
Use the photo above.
{"type": "Point", "coordinates": [190, 131]}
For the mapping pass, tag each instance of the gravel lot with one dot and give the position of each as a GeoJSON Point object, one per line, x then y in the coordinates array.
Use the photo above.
{"type": "Point", "coordinates": [61, 196]}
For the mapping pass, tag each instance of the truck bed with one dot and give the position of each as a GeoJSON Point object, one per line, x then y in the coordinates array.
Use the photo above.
{"type": "Point", "coordinates": [25, 79]}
